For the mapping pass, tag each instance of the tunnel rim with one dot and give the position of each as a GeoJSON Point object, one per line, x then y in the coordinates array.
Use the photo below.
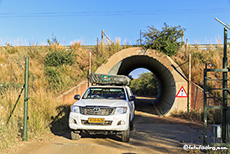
{"type": "Point", "coordinates": [157, 103]}
{"type": "Point", "coordinates": [179, 77]}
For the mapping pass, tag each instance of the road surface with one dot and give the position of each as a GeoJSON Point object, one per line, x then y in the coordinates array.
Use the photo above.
{"type": "Point", "coordinates": [151, 134]}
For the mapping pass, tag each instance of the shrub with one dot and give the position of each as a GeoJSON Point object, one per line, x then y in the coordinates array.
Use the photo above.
{"type": "Point", "coordinates": [59, 57]}
{"type": "Point", "coordinates": [55, 78]}
{"type": "Point", "coordinates": [145, 85]}
{"type": "Point", "coordinates": [165, 41]}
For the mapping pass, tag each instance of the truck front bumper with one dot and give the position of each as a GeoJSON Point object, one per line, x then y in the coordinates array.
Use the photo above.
{"type": "Point", "coordinates": [80, 122]}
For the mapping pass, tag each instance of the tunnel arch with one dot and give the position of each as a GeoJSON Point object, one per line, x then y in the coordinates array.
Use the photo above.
{"type": "Point", "coordinates": [168, 73]}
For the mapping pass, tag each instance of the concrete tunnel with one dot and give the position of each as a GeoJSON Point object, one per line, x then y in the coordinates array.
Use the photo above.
{"type": "Point", "coordinates": [170, 76]}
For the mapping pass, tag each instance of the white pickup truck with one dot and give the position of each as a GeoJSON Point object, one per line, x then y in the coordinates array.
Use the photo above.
{"type": "Point", "coordinates": [103, 109]}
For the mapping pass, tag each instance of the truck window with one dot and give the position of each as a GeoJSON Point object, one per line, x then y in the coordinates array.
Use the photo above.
{"type": "Point", "coordinates": [104, 93]}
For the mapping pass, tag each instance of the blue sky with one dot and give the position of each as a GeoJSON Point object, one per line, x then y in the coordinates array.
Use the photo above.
{"type": "Point", "coordinates": [24, 22]}
{"type": "Point", "coordinates": [135, 73]}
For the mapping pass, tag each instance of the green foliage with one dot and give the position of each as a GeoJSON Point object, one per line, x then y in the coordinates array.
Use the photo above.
{"type": "Point", "coordinates": [165, 41]}
{"type": "Point", "coordinates": [53, 77]}
{"type": "Point", "coordinates": [201, 56]}
{"type": "Point", "coordinates": [4, 87]}
{"type": "Point", "coordinates": [10, 49]}
{"type": "Point", "coordinates": [55, 63]}
{"type": "Point", "coordinates": [57, 78]}
{"type": "Point", "coordinates": [145, 85]}
{"type": "Point", "coordinates": [59, 57]}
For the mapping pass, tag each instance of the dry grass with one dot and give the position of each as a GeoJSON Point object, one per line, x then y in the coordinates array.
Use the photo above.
{"type": "Point", "coordinates": [192, 115]}
{"type": "Point", "coordinates": [212, 56]}
{"type": "Point", "coordinates": [41, 103]}
{"type": "Point", "coordinates": [45, 114]}
{"type": "Point", "coordinates": [42, 106]}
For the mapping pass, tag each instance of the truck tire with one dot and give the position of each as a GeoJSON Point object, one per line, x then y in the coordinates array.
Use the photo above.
{"type": "Point", "coordinates": [75, 136]}
{"type": "Point", "coordinates": [125, 135]}
{"type": "Point", "coordinates": [131, 125]}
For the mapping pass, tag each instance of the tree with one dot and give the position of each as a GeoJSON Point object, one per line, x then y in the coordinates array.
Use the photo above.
{"type": "Point", "coordinates": [165, 41]}
{"type": "Point", "coordinates": [145, 85]}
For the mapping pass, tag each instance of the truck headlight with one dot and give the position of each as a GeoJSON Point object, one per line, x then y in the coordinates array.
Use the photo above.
{"type": "Point", "coordinates": [75, 109]}
{"type": "Point", "coordinates": [121, 110]}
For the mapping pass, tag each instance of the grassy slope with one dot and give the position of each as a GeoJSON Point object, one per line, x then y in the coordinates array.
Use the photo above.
{"type": "Point", "coordinates": [46, 81]}
{"type": "Point", "coordinates": [211, 56]}
{"type": "Point", "coordinates": [45, 114]}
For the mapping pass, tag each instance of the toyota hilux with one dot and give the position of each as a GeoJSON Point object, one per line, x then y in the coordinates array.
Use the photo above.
{"type": "Point", "coordinates": [103, 109]}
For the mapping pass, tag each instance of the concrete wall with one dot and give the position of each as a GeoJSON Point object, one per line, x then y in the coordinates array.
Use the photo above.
{"type": "Point", "coordinates": [68, 96]}
{"type": "Point", "coordinates": [178, 75]}
{"type": "Point", "coordinates": [180, 80]}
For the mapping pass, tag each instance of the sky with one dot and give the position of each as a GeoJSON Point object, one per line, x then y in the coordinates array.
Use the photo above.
{"type": "Point", "coordinates": [137, 72]}
{"type": "Point", "coordinates": [27, 22]}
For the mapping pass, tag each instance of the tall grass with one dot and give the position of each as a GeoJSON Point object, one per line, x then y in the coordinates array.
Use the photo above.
{"type": "Point", "coordinates": [41, 103]}
{"type": "Point", "coordinates": [41, 107]}
{"type": "Point", "coordinates": [213, 56]}
{"type": "Point", "coordinates": [52, 70]}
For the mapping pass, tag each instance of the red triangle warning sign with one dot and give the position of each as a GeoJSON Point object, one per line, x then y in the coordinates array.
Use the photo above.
{"type": "Point", "coordinates": [182, 92]}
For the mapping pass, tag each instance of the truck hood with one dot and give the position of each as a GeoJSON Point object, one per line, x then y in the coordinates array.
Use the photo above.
{"type": "Point", "coordinates": [101, 102]}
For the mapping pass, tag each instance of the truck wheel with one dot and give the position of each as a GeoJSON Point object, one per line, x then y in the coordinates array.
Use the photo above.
{"type": "Point", "coordinates": [131, 125]}
{"type": "Point", "coordinates": [75, 136]}
{"type": "Point", "coordinates": [125, 136]}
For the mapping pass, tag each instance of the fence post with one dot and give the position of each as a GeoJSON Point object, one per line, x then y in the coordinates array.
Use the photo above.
{"type": "Point", "coordinates": [205, 107]}
{"type": "Point", "coordinates": [102, 35]}
{"type": "Point", "coordinates": [189, 82]}
{"type": "Point", "coordinates": [26, 99]}
{"type": "Point", "coordinates": [90, 67]}
{"type": "Point", "coordinates": [224, 133]}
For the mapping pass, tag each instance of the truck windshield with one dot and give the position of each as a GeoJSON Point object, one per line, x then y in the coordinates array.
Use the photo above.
{"type": "Point", "coordinates": [104, 93]}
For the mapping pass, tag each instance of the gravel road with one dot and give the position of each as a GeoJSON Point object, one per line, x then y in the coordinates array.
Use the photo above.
{"type": "Point", "coordinates": [151, 134]}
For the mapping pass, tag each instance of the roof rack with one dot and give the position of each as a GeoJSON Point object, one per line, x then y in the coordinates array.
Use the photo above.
{"type": "Point", "coordinates": [107, 79]}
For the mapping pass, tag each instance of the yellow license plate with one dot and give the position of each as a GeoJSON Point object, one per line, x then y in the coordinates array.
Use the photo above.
{"type": "Point", "coordinates": [96, 120]}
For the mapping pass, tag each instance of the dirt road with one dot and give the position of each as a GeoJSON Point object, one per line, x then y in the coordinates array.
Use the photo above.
{"type": "Point", "coordinates": [151, 134]}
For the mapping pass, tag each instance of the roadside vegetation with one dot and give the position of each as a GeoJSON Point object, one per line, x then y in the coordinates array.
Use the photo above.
{"type": "Point", "coordinates": [192, 115]}
{"type": "Point", "coordinates": [52, 69]}
{"type": "Point", "coordinates": [167, 40]}
{"type": "Point", "coordinates": [212, 56]}
{"type": "Point", "coordinates": [145, 85]}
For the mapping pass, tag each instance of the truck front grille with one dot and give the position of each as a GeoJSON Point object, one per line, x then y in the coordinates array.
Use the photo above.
{"type": "Point", "coordinates": [97, 110]}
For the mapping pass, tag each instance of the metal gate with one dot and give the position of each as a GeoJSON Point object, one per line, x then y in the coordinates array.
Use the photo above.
{"type": "Point", "coordinates": [216, 108]}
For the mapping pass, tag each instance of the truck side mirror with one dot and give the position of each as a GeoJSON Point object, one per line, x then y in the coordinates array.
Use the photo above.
{"type": "Point", "coordinates": [132, 98]}
{"type": "Point", "coordinates": [77, 97]}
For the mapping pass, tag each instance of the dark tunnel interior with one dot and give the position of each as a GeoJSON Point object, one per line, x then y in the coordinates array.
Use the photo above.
{"type": "Point", "coordinates": [165, 99]}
